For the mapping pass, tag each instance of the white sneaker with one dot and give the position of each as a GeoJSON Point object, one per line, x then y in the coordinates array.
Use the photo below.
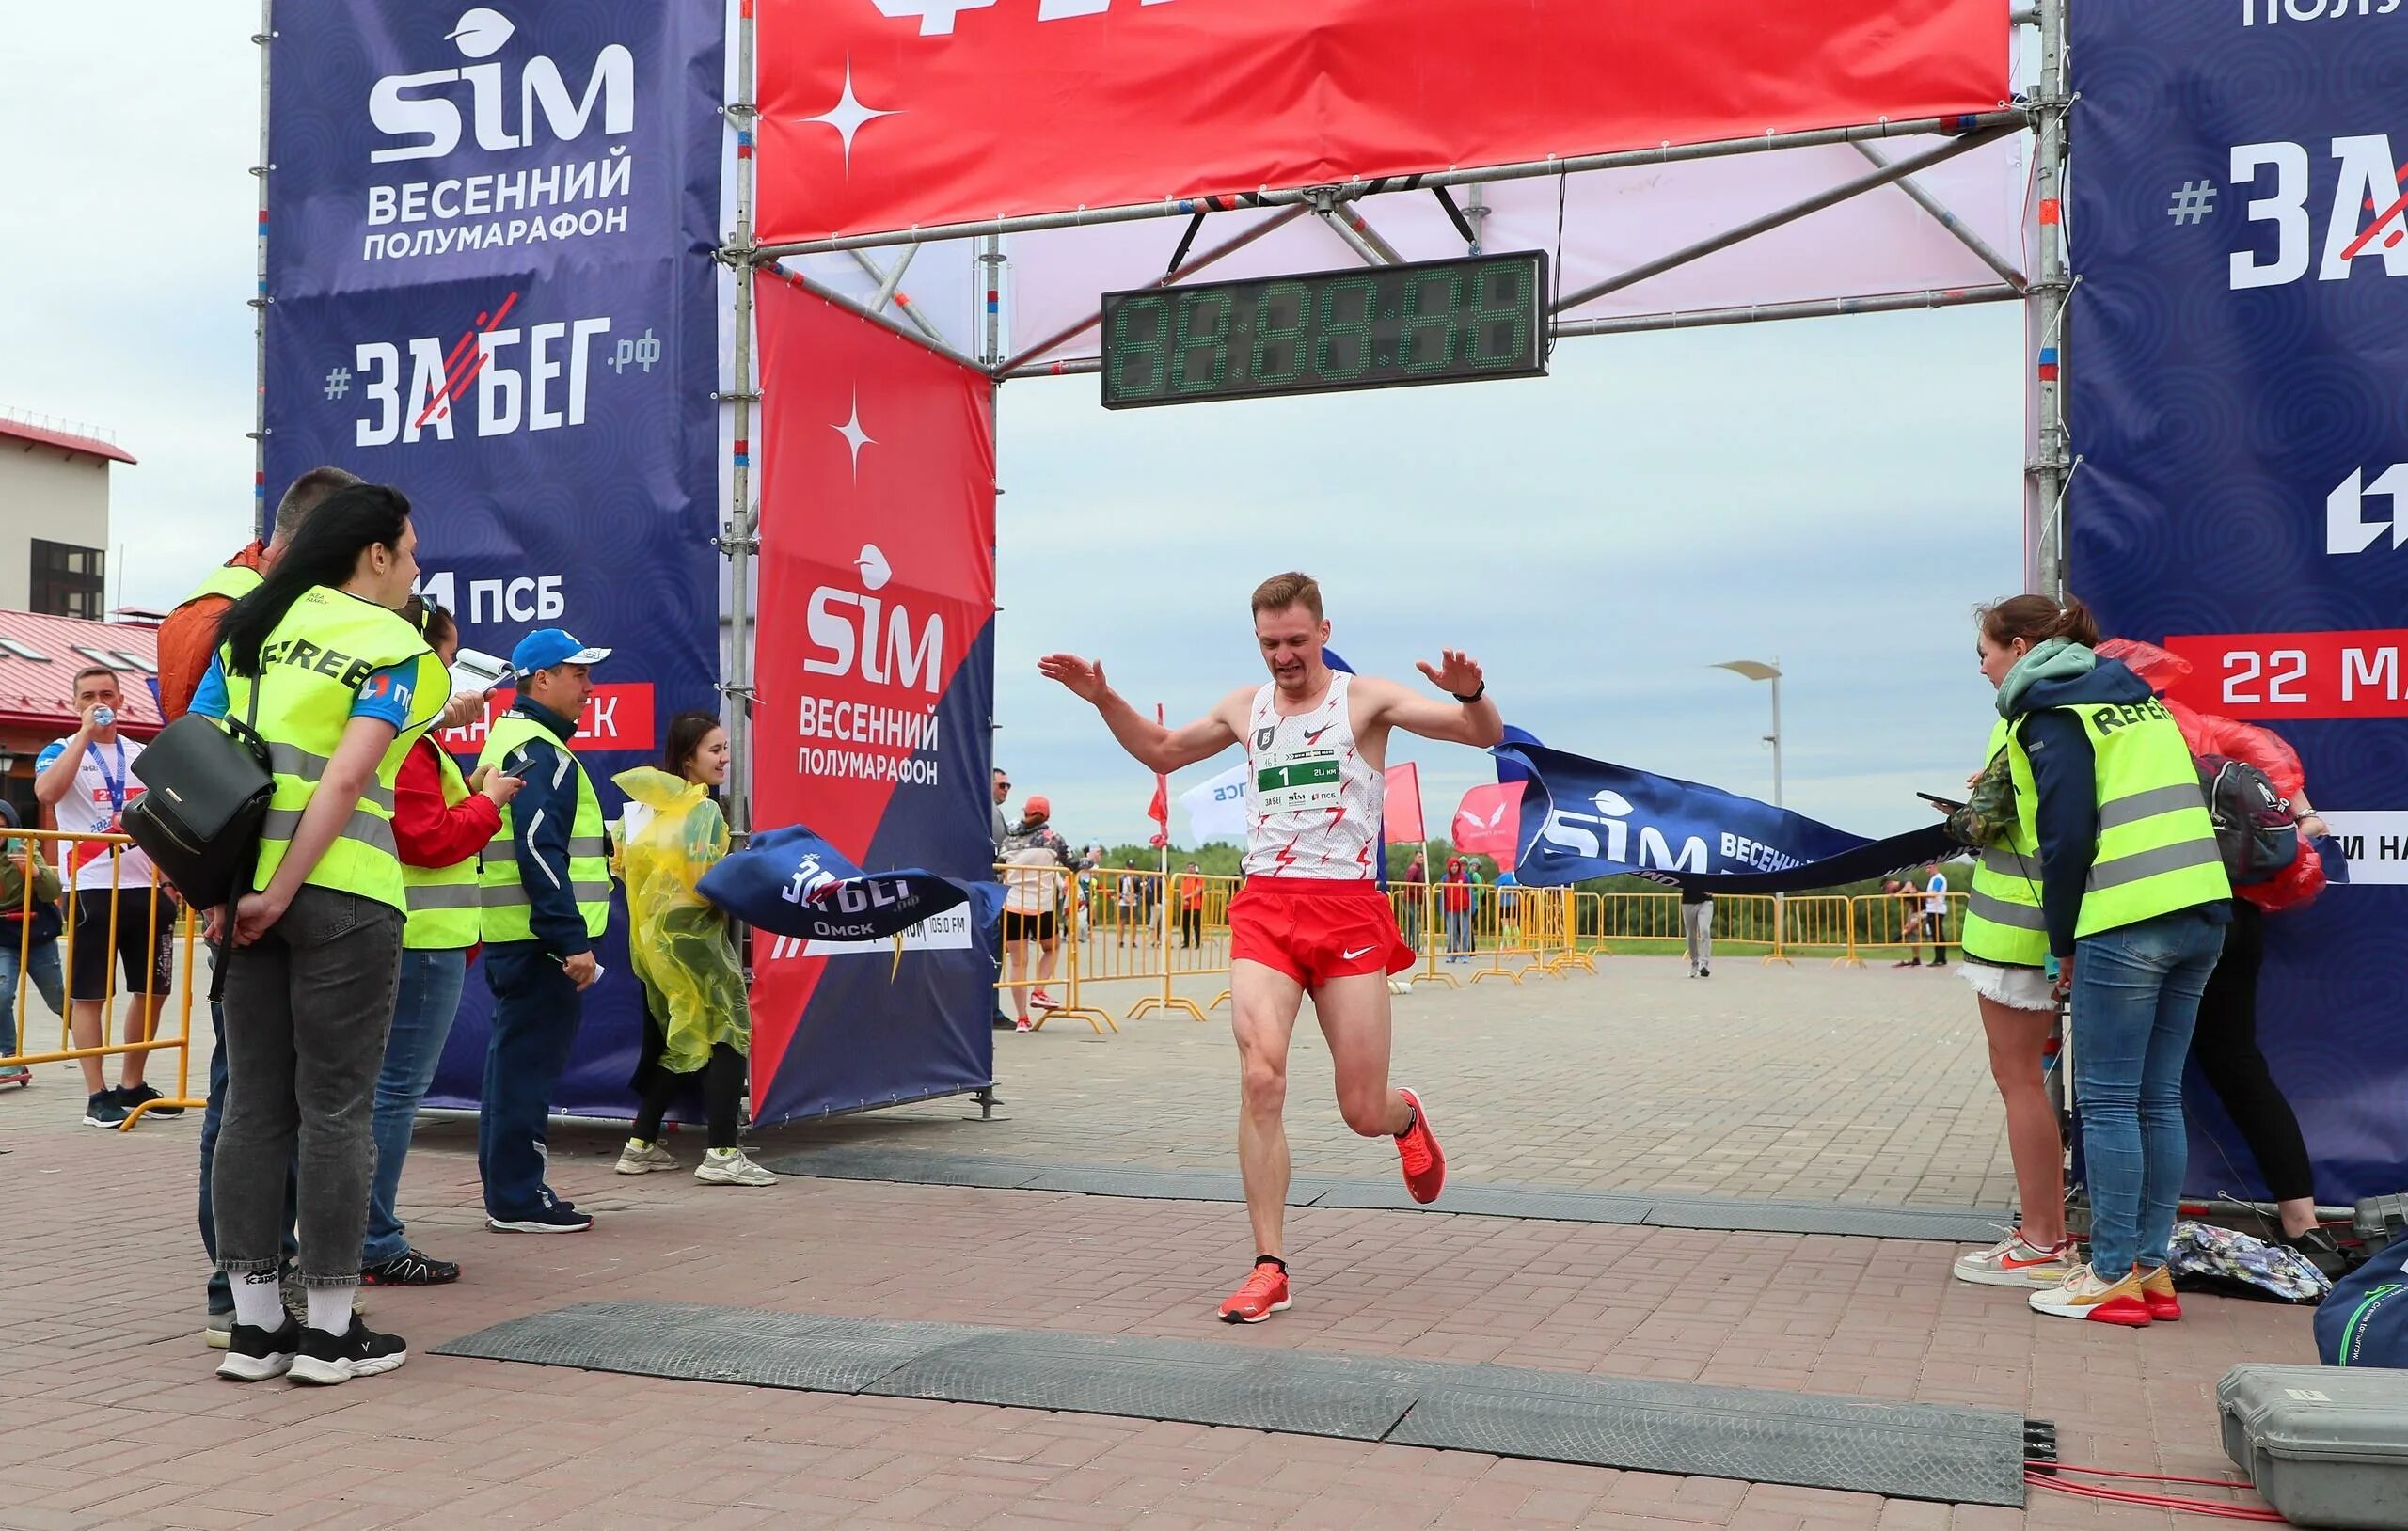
{"type": "Point", "coordinates": [729, 1167]}
{"type": "Point", "coordinates": [1042, 1000]}
{"type": "Point", "coordinates": [641, 1158]}
{"type": "Point", "coordinates": [2014, 1263]}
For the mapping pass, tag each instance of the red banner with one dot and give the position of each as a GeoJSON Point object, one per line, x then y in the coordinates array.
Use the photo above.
{"type": "Point", "coordinates": [2278, 676]}
{"type": "Point", "coordinates": [1489, 823]}
{"type": "Point", "coordinates": [879, 115]}
{"type": "Point", "coordinates": [877, 599]}
{"type": "Point", "coordinates": [1403, 819]}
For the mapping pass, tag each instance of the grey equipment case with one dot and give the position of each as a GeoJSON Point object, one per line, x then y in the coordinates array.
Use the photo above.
{"type": "Point", "coordinates": [2326, 1446]}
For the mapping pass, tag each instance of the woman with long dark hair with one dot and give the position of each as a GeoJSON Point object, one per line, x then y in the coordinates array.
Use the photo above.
{"type": "Point", "coordinates": [318, 661]}
{"type": "Point", "coordinates": [697, 1022]}
{"type": "Point", "coordinates": [2131, 900]}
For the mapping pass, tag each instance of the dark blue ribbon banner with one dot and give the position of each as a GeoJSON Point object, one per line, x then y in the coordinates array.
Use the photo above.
{"type": "Point", "coordinates": [1585, 818]}
{"type": "Point", "coordinates": [2235, 361]}
{"type": "Point", "coordinates": [489, 283]}
{"type": "Point", "coordinates": [790, 882]}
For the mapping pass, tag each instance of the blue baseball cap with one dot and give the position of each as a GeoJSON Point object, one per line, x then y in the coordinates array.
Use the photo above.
{"type": "Point", "coordinates": [548, 646]}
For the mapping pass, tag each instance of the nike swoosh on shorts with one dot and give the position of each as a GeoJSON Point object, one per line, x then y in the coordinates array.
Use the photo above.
{"type": "Point", "coordinates": [1350, 957]}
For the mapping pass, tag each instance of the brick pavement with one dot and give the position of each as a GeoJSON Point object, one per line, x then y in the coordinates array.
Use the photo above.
{"type": "Point", "coordinates": [114, 1421]}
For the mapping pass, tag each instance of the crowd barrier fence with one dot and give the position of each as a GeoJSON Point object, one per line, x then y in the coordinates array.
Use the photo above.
{"type": "Point", "coordinates": [160, 910]}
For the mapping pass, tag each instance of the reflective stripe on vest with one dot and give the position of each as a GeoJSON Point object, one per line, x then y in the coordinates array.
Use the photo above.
{"type": "Point", "coordinates": [313, 665]}
{"type": "Point", "coordinates": [506, 907]}
{"type": "Point", "coordinates": [227, 582]}
{"type": "Point", "coordinates": [2157, 848]}
{"type": "Point", "coordinates": [441, 913]}
{"type": "Point", "coordinates": [2003, 922]}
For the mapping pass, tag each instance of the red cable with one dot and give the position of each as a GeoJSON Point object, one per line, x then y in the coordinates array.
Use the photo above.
{"type": "Point", "coordinates": [2156, 1501]}
{"type": "Point", "coordinates": [2151, 1478]}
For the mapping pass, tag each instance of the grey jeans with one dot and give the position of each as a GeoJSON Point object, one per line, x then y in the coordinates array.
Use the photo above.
{"type": "Point", "coordinates": [307, 1007]}
{"type": "Point", "coordinates": [1697, 930]}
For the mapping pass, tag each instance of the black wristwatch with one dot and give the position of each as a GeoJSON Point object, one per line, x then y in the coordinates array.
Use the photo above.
{"type": "Point", "coordinates": [1468, 701]}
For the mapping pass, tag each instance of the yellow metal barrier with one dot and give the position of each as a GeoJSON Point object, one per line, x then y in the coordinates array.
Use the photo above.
{"type": "Point", "coordinates": [161, 911]}
{"type": "Point", "coordinates": [1899, 922]}
{"type": "Point", "coordinates": [1047, 898]}
{"type": "Point", "coordinates": [1419, 920]}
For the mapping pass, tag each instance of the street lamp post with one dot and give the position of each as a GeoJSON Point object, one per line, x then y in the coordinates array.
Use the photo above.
{"type": "Point", "coordinates": [1757, 670]}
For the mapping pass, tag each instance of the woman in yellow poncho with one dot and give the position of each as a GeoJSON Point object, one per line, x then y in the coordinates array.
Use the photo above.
{"type": "Point", "coordinates": [697, 1022]}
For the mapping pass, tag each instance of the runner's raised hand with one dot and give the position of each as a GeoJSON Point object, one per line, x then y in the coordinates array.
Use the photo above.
{"type": "Point", "coordinates": [1456, 674]}
{"type": "Point", "coordinates": [1083, 678]}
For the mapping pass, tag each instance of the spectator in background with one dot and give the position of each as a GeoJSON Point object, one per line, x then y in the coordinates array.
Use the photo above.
{"type": "Point", "coordinates": [1130, 897]}
{"type": "Point", "coordinates": [120, 909]}
{"type": "Point", "coordinates": [23, 871]}
{"type": "Point", "coordinates": [697, 1021]}
{"type": "Point", "coordinates": [1034, 859]}
{"type": "Point", "coordinates": [1190, 907]}
{"type": "Point", "coordinates": [1935, 913]}
{"type": "Point", "coordinates": [441, 822]}
{"type": "Point", "coordinates": [1413, 902]}
{"type": "Point", "coordinates": [1455, 901]}
{"type": "Point", "coordinates": [1088, 883]}
{"type": "Point", "coordinates": [1509, 909]}
{"type": "Point", "coordinates": [1696, 928]}
{"type": "Point", "coordinates": [1909, 899]}
{"type": "Point", "coordinates": [1000, 827]}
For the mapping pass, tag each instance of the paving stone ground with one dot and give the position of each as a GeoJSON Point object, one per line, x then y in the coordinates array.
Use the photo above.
{"type": "Point", "coordinates": [113, 1420]}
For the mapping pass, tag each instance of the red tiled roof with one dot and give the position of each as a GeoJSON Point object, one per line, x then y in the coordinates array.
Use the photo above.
{"type": "Point", "coordinates": [43, 437]}
{"type": "Point", "coordinates": [38, 692]}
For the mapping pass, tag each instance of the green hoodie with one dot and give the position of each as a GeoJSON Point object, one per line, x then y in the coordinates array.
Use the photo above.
{"type": "Point", "coordinates": [2052, 659]}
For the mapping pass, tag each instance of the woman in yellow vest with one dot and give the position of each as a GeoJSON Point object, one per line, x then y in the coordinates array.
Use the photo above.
{"type": "Point", "coordinates": [2132, 900]}
{"type": "Point", "coordinates": [441, 821]}
{"type": "Point", "coordinates": [318, 661]}
{"type": "Point", "coordinates": [698, 1023]}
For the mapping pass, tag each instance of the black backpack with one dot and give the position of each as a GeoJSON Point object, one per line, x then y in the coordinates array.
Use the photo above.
{"type": "Point", "coordinates": [2255, 830]}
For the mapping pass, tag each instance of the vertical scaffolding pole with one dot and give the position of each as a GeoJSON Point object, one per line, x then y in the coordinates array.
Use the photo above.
{"type": "Point", "coordinates": [740, 540]}
{"type": "Point", "coordinates": [265, 38]}
{"type": "Point", "coordinates": [2052, 463]}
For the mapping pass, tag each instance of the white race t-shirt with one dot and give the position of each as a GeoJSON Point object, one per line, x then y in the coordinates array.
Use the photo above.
{"type": "Point", "coordinates": [1935, 895]}
{"type": "Point", "coordinates": [91, 807]}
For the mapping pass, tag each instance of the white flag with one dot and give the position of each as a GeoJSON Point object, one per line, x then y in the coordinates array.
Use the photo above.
{"type": "Point", "coordinates": [1216, 810]}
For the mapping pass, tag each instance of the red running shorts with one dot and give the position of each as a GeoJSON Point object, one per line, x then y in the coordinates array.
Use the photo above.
{"type": "Point", "coordinates": [1315, 930]}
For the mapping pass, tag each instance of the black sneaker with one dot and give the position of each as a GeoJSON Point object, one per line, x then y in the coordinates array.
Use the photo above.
{"type": "Point", "coordinates": [329, 1359]}
{"type": "Point", "coordinates": [102, 1111]}
{"type": "Point", "coordinates": [410, 1269]}
{"type": "Point", "coordinates": [254, 1354]}
{"type": "Point", "coordinates": [140, 1092]}
{"type": "Point", "coordinates": [557, 1218]}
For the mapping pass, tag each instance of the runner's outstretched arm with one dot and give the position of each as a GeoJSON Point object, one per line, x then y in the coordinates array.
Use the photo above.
{"type": "Point", "coordinates": [1477, 723]}
{"type": "Point", "coordinates": [1154, 746]}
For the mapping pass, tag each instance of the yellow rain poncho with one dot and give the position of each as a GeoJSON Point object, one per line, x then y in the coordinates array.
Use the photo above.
{"type": "Point", "coordinates": [679, 943]}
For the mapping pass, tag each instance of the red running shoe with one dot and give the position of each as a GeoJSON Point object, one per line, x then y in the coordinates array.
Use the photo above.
{"type": "Point", "coordinates": [1425, 1162]}
{"type": "Point", "coordinates": [1265, 1292]}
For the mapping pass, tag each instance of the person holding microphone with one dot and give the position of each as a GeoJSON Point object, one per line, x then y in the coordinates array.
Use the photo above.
{"type": "Point", "coordinates": [440, 823]}
{"type": "Point", "coordinates": [544, 898]}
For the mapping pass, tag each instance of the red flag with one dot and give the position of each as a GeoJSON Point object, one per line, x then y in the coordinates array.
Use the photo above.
{"type": "Point", "coordinates": [1404, 817]}
{"type": "Point", "coordinates": [1159, 810]}
{"type": "Point", "coordinates": [1489, 823]}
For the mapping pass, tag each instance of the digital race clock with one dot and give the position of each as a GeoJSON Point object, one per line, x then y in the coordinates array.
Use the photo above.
{"type": "Point", "coordinates": [1327, 332]}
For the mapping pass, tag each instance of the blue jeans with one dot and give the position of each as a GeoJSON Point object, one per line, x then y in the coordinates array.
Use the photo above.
{"type": "Point", "coordinates": [221, 1295]}
{"type": "Point", "coordinates": [2135, 998]}
{"type": "Point", "coordinates": [43, 963]}
{"type": "Point", "coordinates": [536, 1010]}
{"type": "Point", "coordinates": [423, 1016]}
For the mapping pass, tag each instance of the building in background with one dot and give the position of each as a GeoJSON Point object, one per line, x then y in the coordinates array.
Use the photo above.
{"type": "Point", "coordinates": [54, 518]}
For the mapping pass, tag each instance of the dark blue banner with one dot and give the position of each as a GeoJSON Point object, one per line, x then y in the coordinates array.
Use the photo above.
{"type": "Point", "coordinates": [791, 882]}
{"type": "Point", "coordinates": [490, 284]}
{"type": "Point", "coordinates": [2235, 362]}
{"type": "Point", "coordinates": [1584, 818]}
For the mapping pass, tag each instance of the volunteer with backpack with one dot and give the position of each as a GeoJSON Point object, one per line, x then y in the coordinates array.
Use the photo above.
{"type": "Point", "coordinates": [2132, 896]}
{"type": "Point", "coordinates": [318, 661]}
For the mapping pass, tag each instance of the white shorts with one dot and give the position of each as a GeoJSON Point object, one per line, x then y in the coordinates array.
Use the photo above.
{"type": "Point", "coordinates": [2017, 988]}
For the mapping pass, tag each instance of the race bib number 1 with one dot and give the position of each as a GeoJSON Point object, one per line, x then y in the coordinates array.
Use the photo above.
{"type": "Point", "coordinates": [1298, 782]}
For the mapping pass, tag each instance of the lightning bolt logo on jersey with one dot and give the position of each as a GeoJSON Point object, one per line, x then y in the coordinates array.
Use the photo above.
{"type": "Point", "coordinates": [1312, 801]}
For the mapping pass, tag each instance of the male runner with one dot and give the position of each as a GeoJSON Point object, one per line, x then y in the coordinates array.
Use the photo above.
{"type": "Point", "coordinates": [1311, 919]}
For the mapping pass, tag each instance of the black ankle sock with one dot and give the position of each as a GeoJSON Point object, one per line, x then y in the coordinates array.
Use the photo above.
{"type": "Point", "coordinates": [1411, 1121]}
{"type": "Point", "coordinates": [1272, 1259]}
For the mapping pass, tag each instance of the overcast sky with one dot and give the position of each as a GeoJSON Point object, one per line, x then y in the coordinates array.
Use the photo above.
{"type": "Point", "coordinates": [1835, 493]}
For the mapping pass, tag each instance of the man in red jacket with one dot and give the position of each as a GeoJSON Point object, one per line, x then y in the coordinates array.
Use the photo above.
{"type": "Point", "coordinates": [440, 822]}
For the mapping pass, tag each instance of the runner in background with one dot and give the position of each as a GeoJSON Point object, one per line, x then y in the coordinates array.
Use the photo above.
{"type": "Point", "coordinates": [1935, 913]}
{"type": "Point", "coordinates": [1909, 899]}
{"type": "Point", "coordinates": [1312, 918]}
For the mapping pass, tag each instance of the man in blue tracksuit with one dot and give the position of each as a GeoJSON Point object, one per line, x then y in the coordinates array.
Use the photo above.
{"type": "Point", "coordinates": [544, 898]}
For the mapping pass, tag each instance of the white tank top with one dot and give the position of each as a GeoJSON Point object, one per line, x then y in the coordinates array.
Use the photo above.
{"type": "Point", "coordinates": [1312, 801]}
